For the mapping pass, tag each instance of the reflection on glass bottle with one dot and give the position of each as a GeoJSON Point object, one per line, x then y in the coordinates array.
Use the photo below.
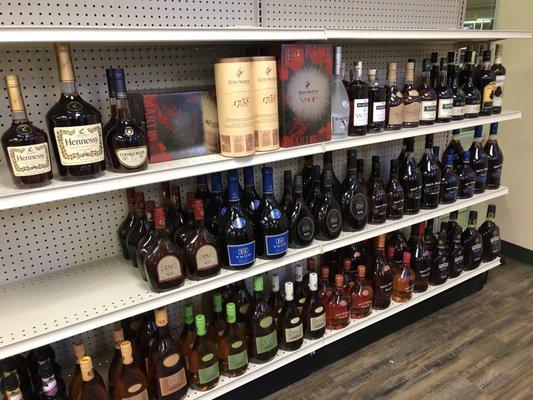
{"type": "Point", "coordinates": [495, 156]}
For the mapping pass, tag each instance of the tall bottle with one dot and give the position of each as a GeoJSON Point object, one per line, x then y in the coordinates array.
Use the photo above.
{"type": "Point", "coordinates": [457, 256]}
{"type": "Point", "coordinates": [75, 126]}
{"type": "Point", "coordinates": [403, 280]}
{"type": "Point", "coordinates": [113, 374]}
{"type": "Point", "coordinates": [314, 194]}
{"type": "Point", "coordinates": [313, 312]}
{"type": "Point", "coordinates": [287, 199]}
{"type": "Point", "coordinates": [495, 158]}
{"type": "Point", "coordinates": [327, 165]}
{"type": "Point", "coordinates": [394, 101]}
{"type": "Point", "coordinates": [452, 224]}
{"type": "Point", "coordinates": [459, 98]}
{"type": "Point", "coordinates": [232, 349]}
{"type": "Point", "coordinates": [499, 75]}
{"type": "Point", "coordinates": [203, 370]}
{"type": "Point", "coordinates": [358, 94]}
{"type": "Point", "coordinates": [490, 232]}
{"type": "Point", "coordinates": [243, 300]}
{"type": "Point", "coordinates": [411, 180]}
{"type": "Point", "coordinates": [275, 300]}
{"type": "Point", "coordinates": [250, 199]}
{"type": "Point", "coordinates": [127, 223]}
{"type": "Point", "coordinates": [431, 177]}
{"type": "Point", "coordinates": [420, 261]}
{"type": "Point", "coordinates": [472, 242]}
{"type": "Point", "coordinates": [428, 96]}
{"type": "Point", "coordinates": [435, 71]}
{"type": "Point", "coordinates": [328, 216]}
{"type": "Point", "coordinates": [132, 381]}
{"type": "Point", "coordinates": [430, 240]}
{"type": "Point", "coordinates": [307, 173]}
{"type": "Point", "coordinates": [411, 98]}
{"type": "Point", "coordinates": [25, 146]}
{"type": "Point", "coordinates": [301, 225]}
{"type": "Point", "coordinates": [139, 228]}
{"type": "Point", "coordinates": [218, 202]}
{"type": "Point", "coordinates": [361, 294]}
{"type": "Point", "coordinates": [290, 324]}
{"type": "Point", "coordinates": [472, 93]}
{"type": "Point", "coordinates": [479, 160]}
{"type": "Point", "coordinates": [467, 68]}
{"type": "Point", "coordinates": [467, 178]}
{"type": "Point", "coordinates": [203, 193]}
{"type": "Point", "coordinates": [377, 197]}
{"type": "Point", "coordinates": [217, 325]}
{"type": "Point", "coordinates": [92, 388]}
{"type": "Point", "coordinates": [456, 149]}
{"type": "Point", "coordinates": [145, 244]}
{"type": "Point", "coordinates": [188, 334]}
{"type": "Point", "coordinates": [376, 104]}
{"type": "Point", "coordinates": [340, 103]}
{"type": "Point", "coordinates": [381, 277]}
{"type": "Point", "coordinates": [444, 94]}
{"type": "Point", "coordinates": [486, 83]}
{"type": "Point", "coordinates": [440, 262]}
{"type": "Point", "coordinates": [144, 339]}
{"type": "Point", "coordinates": [395, 193]}
{"type": "Point", "coordinates": [112, 94]}
{"type": "Point", "coordinates": [354, 204]}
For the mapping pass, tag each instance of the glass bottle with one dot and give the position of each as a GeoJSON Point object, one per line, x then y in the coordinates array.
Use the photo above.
{"type": "Point", "coordinates": [457, 256]}
{"type": "Point", "coordinates": [165, 263]}
{"type": "Point", "coordinates": [431, 177]}
{"type": "Point", "coordinates": [377, 197]}
{"type": "Point", "coordinates": [26, 147]}
{"type": "Point", "coordinates": [180, 236]}
{"type": "Point", "coordinates": [307, 173]}
{"type": "Point", "coordinates": [354, 204]}
{"type": "Point", "coordinates": [340, 103]}
{"type": "Point", "coordinates": [381, 277]}
{"type": "Point", "coordinates": [403, 280]}
{"type": "Point", "coordinates": [126, 141]}
{"type": "Point", "coordinates": [51, 387]}
{"type": "Point", "coordinates": [499, 75]}
{"type": "Point", "coordinates": [315, 194]}
{"type": "Point", "coordinates": [436, 153]}
{"type": "Point", "coordinates": [440, 262]}
{"type": "Point", "coordinates": [260, 329]}
{"type": "Point", "coordinates": [434, 74]}
{"type": "Point", "coordinates": [361, 294]}
{"type": "Point", "coordinates": [236, 236]}
{"type": "Point", "coordinates": [127, 223]}
{"type": "Point", "coordinates": [16, 366]}
{"type": "Point", "coordinates": [144, 339]}
{"type": "Point", "coordinates": [216, 205]}
{"type": "Point", "coordinates": [242, 301]}
{"type": "Point", "coordinates": [394, 101]}
{"type": "Point", "coordinates": [287, 200]}
{"type": "Point", "coordinates": [166, 369]}
{"type": "Point", "coordinates": [485, 81]}
{"type": "Point", "coordinates": [399, 244]}
{"type": "Point", "coordinates": [456, 149]}
{"type": "Point", "coordinates": [290, 324]}
{"type": "Point", "coordinates": [338, 306]}
{"type": "Point", "coordinates": [472, 96]}
{"type": "Point", "coordinates": [217, 326]}
{"type": "Point", "coordinates": [113, 374]}
{"type": "Point", "coordinates": [11, 387]}
{"type": "Point", "coordinates": [250, 199]}
{"type": "Point", "coordinates": [452, 224]}
{"type": "Point", "coordinates": [376, 104]}
{"type": "Point", "coordinates": [327, 165]}
{"type": "Point", "coordinates": [450, 183]}
{"type": "Point", "coordinates": [411, 180]}
{"type": "Point", "coordinates": [232, 349]}
{"type": "Point", "coordinates": [313, 312]}
{"type": "Point", "coordinates": [112, 93]}
{"type": "Point", "coordinates": [305, 281]}
{"type": "Point", "coordinates": [301, 225]}
{"type": "Point", "coordinates": [347, 275]}
{"type": "Point", "coordinates": [411, 98]}
{"type": "Point", "coordinates": [203, 193]}
{"type": "Point", "coordinates": [132, 381]}
{"type": "Point", "coordinates": [298, 289]}
{"type": "Point", "coordinates": [490, 233]}
{"type": "Point", "coordinates": [203, 370]}
{"type": "Point", "coordinates": [76, 381]}
{"type": "Point", "coordinates": [358, 94]}
{"type": "Point", "coordinates": [459, 98]}
{"type": "Point", "coordinates": [92, 388]}
{"type": "Point", "coordinates": [430, 240]}
{"type": "Point", "coordinates": [467, 68]}
{"type": "Point", "coordinates": [188, 334]}
{"type": "Point", "coordinates": [145, 244]}
{"type": "Point", "coordinates": [420, 261]}
{"type": "Point", "coordinates": [444, 94]}
{"type": "Point", "coordinates": [467, 178]}
{"type": "Point", "coordinates": [360, 172]}
{"type": "Point", "coordinates": [472, 242]}
{"type": "Point", "coordinates": [75, 126]}
{"type": "Point", "coordinates": [275, 300]}
{"type": "Point", "coordinates": [495, 158]}
{"type": "Point", "coordinates": [478, 160]}
{"type": "Point", "coordinates": [401, 156]}
{"type": "Point", "coordinates": [138, 229]}
{"type": "Point", "coordinates": [325, 290]}
{"type": "Point", "coordinates": [328, 217]}
{"type": "Point", "coordinates": [177, 214]}
{"type": "Point", "coordinates": [428, 96]}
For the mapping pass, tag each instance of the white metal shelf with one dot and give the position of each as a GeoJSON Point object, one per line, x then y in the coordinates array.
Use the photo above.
{"type": "Point", "coordinates": [11, 197]}
{"type": "Point", "coordinates": [52, 307]}
{"type": "Point", "coordinates": [94, 34]}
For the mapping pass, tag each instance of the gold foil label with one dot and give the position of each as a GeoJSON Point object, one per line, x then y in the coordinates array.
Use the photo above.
{"type": "Point", "coordinates": [488, 94]}
{"type": "Point", "coordinates": [29, 160]}
{"type": "Point", "coordinates": [78, 145]}
{"type": "Point", "coordinates": [132, 157]}
{"type": "Point", "coordinates": [171, 360]}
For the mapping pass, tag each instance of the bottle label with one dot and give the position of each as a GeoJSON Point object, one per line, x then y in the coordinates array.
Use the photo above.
{"type": "Point", "coordinates": [236, 361]}
{"type": "Point", "coordinates": [168, 269]}
{"type": "Point", "coordinates": [339, 125]}
{"type": "Point", "coordinates": [50, 387]}
{"type": "Point", "coordinates": [359, 207]}
{"type": "Point", "coordinates": [295, 333]}
{"type": "Point", "coordinates": [422, 270]}
{"type": "Point", "coordinates": [445, 108]}
{"type": "Point", "coordinates": [477, 250]}
{"type": "Point", "coordinates": [397, 205]}
{"type": "Point", "coordinates": [267, 342]}
{"type": "Point", "coordinates": [14, 396]}
{"type": "Point", "coordinates": [481, 176]}
{"type": "Point", "coordinates": [276, 244]}
{"type": "Point", "coordinates": [498, 91]}
{"type": "Point", "coordinates": [411, 112]}
{"type": "Point", "coordinates": [495, 244]}
{"type": "Point", "coordinates": [132, 157]}
{"type": "Point", "coordinates": [360, 112]}
{"type": "Point", "coordinates": [488, 95]}
{"type": "Point", "coordinates": [472, 109]}
{"type": "Point", "coordinates": [208, 374]}
{"type": "Point", "coordinates": [241, 254]}
{"type": "Point", "coordinates": [468, 188]}
{"type": "Point", "coordinates": [380, 209]}
{"type": "Point", "coordinates": [459, 263]}
{"type": "Point", "coordinates": [206, 257]}
{"type": "Point", "coordinates": [379, 111]}
{"type": "Point", "coordinates": [139, 396]}
{"type": "Point", "coordinates": [428, 110]}
{"type": "Point", "coordinates": [172, 383]}
{"type": "Point", "coordinates": [29, 160]}
{"type": "Point", "coordinates": [78, 145]}
{"type": "Point", "coordinates": [333, 220]}
{"type": "Point", "coordinates": [443, 267]}
{"type": "Point", "coordinates": [171, 360]}
{"type": "Point", "coordinates": [496, 172]}
{"type": "Point", "coordinates": [318, 322]}
{"type": "Point", "coordinates": [458, 111]}
{"type": "Point", "coordinates": [450, 194]}
{"type": "Point", "coordinates": [414, 192]}
{"type": "Point", "coordinates": [305, 229]}
{"type": "Point", "coordinates": [275, 214]}
{"type": "Point", "coordinates": [384, 288]}
{"type": "Point", "coordinates": [396, 115]}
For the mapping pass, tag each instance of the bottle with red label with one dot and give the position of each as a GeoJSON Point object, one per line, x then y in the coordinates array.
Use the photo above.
{"type": "Point", "coordinates": [361, 294]}
{"type": "Point", "coordinates": [338, 306]}
{"type": "Point", "coordinates": [382, 277]}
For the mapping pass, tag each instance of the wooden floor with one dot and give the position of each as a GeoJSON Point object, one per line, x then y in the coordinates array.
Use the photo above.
{"type": "Point", "coordinates": [478, 348]}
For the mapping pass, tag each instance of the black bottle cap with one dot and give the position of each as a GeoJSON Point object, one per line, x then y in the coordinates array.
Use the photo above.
{"type": "Point", "coordinates": [429, 141]}
{"type": "Point", "coordinates": [443, 63]}
{"type": "Point", "coordinates": [360, 164]}
{"type": "Point", "coordinates": [287, 178]}
{"type": "Point", "coordinates": [410, 144]}
{"type": "Point", "coordinates": [111, 86]}
{"type": "Point", "coordinates": [11, 382]}
{"type": "Point", "coordinates": [454, 215]}
{"type": "Point", "coordinates": [328, 157]}
{"type": "Point", "coordinates": [478, 131]}
{"type": "Point", "coordinates": [456, 132]}
{"type": "Point", "coordinates": [491, 210]}
{"type": "Point", "coordinates": [429, 225]}
{"type": "Point", "coordinates": [120, 82]}
{"type": "Point", "coordinates": [352, 158]}
{"type": "Point", "coordinates": [493, 128]}
{"type": "Point", "coordinates": [316, 173]}
{"type": "Point", "coordinates": [46, 369]}
{"type": "Point", "coordinates": [451, 57]}
{"type": "Point", "coordinates": [472, 216]}
{"type": "Point", "coordinates": [486, 55]}
{"type": "Point", "coordinates": [375, 160]}
{"type": "Point", "coordinates": [327, 178]}
{"type": "Point", "coordinates": [393, 166]}
{"type": "Point", "coordinates": [201, 180]}
{"type": "Point", "coordinates": [42, 354]}
{"type": "Point", "coordinates": [468, 56]}
{"type": "Point", "coordinates": [443, 226]}
{"type": "Point", "coordinates": [9, 364]}
{"type": "Point", "coordinates": [457, 234]}
{"type": "Point", "coordinates": [441, 238]}
{"type": "Point", "coordinates": [298, 186]}
{"type": "Point", "coordinates": [411, 60]}
{"type": "Point", "coordinates": [434, 57]}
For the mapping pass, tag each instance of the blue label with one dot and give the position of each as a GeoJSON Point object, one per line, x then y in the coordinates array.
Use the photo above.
{"type": "Point", "coordinates": [241, 254]}
{"type": "Point", "coordinates": [238, 223]}
{"type": "Point", "coordinates": [276, 244]}
{"type": "Point", "coordinates": [255, 204]}
{"type": "Point", "coordinates": [481, 178]}
{"type": "Point", "coordinates": [223, 210]}
{"type": "Point", "coordinates": [275, 213]}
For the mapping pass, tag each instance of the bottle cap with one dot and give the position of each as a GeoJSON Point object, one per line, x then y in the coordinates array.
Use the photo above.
{"type": "Point", "coordinates": [443, 63]}
{"type": "Point", "coordinates": [46, 369]}
{"type": "Point", "coordinates": [198, 209]}
{"type": "Point", "coordinates": [486, 55]}
{"type": "Point", "coordinates": [233, 187]}
{"type": "Point", "coordinates": [352, 158]}
{"type": "Point", "coordinates": [493, 128]}
{"type": "Point", "coordinates": [86, 366]}
{"type": "Point", "coordinates": [421, 228]}
{"type": "Point", "coordinates": [313, 281]}
{"type": "Point", "coordinates": [473, 216]}
{"type": "Point", "coordinates": [118, 336]}
{"type": "Point", "coordinates": [393, 165]}
{"type": "Point", "coordinates": [454, 215]}
{"type": "Point", "coordinates": [161, 317]}
{"type": "Point", "coordinates": [159, 217]}
{"type": "Point", "coordinates": [327, 179]}
{"type": "Point", "coordinates": [466, 156]}
{"type": "Point", "coordinates": [217, 302]}
{"type": "Point", "coordinates": [361, 270]}
{"type": "Point", "coordinates": [275, 282]}
{"type": "Point", "coordinates": [11, 383]}
{"type": "Point", "coordinates": [258, 283]}
{"type": "Point", "coordinates": [120, 83]}
{"type": "Point", "coordinates": [451, 57]}
{"type": "Point", "coordinates": [375, 159]}
{"type": "Point", "coordinates": [287, 178]}
{"type": "Point", "coordinates": [248, 176]}
{"type": "Point", "coordinates": [231, 313]}
{"type": "Point", "coordinates": [381, 242]}
{"type": "Point", "coordinates": [139, 201]}
{"type": "Point", "coordinates": [406, 257]}
{"type": "Point", "coordinates": [327, 158]}
{"type": "Point", "coordinates": [268, 186]}
{"type": "Point", "coordinates": [298, 186]}
{"type": "Point", "coordinates": [372, 74]}
{"type": "Point", "coordinates": [289, 291]}
{"type": "Point", "coordinates": [491, 210]}
{"type": "Point", "coordinates": [199, 321]}
{"type": "Point", "coordinates": [216, 182]}
{"type": "Point", "coordinates": [456, 132]}
{"type": "Point", "coordinates": [130, 196]}
{"type": "Point", "coordinates": [429, 141]}
{"type": "Point", "coordinates": [126, 352]}
{"type": "Point", "coordinates": [434, 57]}
{"type": "Point", "coordinates": [360, 164]}
{"type": "Point", "coordinates": [298, 273]}
{"type": "Point", "coordinates": [188, 314]}
{"type": "Point", "coordinates": [478, 131]}
{"type": "Point", "coordinates": [111, 86]}
{"type": "Point", "coordinates": [426, 64]}
{"type": "Point", "coordinates": [443, 226]}
{"type": "Point", "coordinates": [310, 264]}
{"type": "Point", "coordinates": [390, 251]}
{"type": "Point", "coordinates": [457, 235]}
{"type": "Point", "coordinates": [324, 272]}
{"type": "Point", "coordinates": [64, 62]}
{"type": "Point", "coordinates": [436, 151]}
{"type": "Point", "coordinates": [347, 264]}
{"type": "Point", "coordinates": [339, 280]}
{"type": "Point", "coordinates": [165, 189]}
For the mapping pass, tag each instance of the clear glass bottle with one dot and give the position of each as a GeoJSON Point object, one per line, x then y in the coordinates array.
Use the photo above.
{"type": "Point", "coordinates": [340, 103]}
{"type": "Point", "coordinates": [359, 103]}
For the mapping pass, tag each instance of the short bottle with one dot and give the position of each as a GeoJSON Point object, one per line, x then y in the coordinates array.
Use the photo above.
{"type": "Point", "coordinates": [472, 242]}
{"type": "Point", "coordinates": [403, 280]}
{"type": "Point", "coordinates": [450, 183]}
{"type": "Point", "coordinates": [354, 203]}
{"type": "Point", "coordinates": [411, 98]}
{"type": "Point", "coordinates": [376, 104]}
{"type": "Point", "coordinates": [440, 262]}
{"type": "Point", "coordinates": [290, 324]}
{"type": "Point", "coordinates": [428, 96]}
{"type": "Point", "coordinates": [444, 94]}
{"type": "Point", "coordinates": [490, 232]}
{"type": "Point", "coordinates": [394, 101]}
{"type": "Point", "coordinates": [457, 257]}
{"type": "Point", "coordinates": [301, 224]}
{"type": "Point", "coordinates": [467, 178]}
{"type": "Point", "coordinates": [328, 217]}
{"type": "Point", "coordinates": [431, 177]}
{"type": "Point", "coordinates": [232, 349]}
{"type": "Point", "coordinates": [479, 161]}
{"type": "Point", "coordinates": [203, 370]}
{"type": "Point", "coordinates": [313, 312]}
{"type": "Point", "coordinates": [361, 294]}
{"type": "Point", "coordinates": [132, 381]}
{"type": "Point", "coordinates": [377, 197]}
{"type": "Point", "coordinates": [495, 158]}
{"type": "Point", "coordinates": [359, 103]}
{"type": "Point", "coordinates": [92, 388]}
{"type": "Point", "coordinates": [338, 306]}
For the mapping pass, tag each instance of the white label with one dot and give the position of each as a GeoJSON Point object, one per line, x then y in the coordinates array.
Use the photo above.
{"type": "Point", "coordinates": [29, 160]}
{"type": "Point", "coordinates": [317, 323]}
{"type": "Point", "coordinates": [458, 111]}
{"type": "Point", "coordinates": [378, 113]}
{"type": "Point", "coordinates": [78, 145]}
{"type": "Point", "coordinates": [139, 396]}
{"type": "Point", "coordinates": [339, 125]}
{"type": "Point", "coordinates": [206, 257]}
{"type": "Point", "coordinates": [498, 91]}
{"type": "Point", "coordinates": [168, 268]}
{"type": "Point", "coordinates": [445, 108]}
{"type": "Point", "coordinates": [472, 109]}
{"type": "Point", "coordinates": [360, 112]}
{"type": "Point", "coordinates": [428, 110]}
{"type": "Point", "coordinates": [132, 157]}
{"type": "Point", "coordinates": [294, 334]}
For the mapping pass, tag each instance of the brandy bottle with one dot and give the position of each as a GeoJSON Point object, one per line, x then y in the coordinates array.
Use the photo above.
{"type": "Point", "coordinates": [411, 98]}
{"type": "Point", "coordinates": [287, 200]}
{"type": "Point", "coordinates": [299, 293]}
{"type": "Point", "coordinates": [395, 194]}
{"type": "Point", "coordinates": [450, 183]}
{"type": "Point", "coordinates": [165, 263]}
{"type": "Point", "coordinates": [138, 229]}
{"type": "Point", "coordinates": [311, 267]}
{"type": "Point", "coordinates": [290, 325]}
{"type": "Point", "coordinates": [472, 242]}
{"type": "Point", "coordinates": [411, 180]}
{"type": "Point", "coordinates": [92, 388]}
{"type": "Point", "coordinates": [181, 234]}
{"type": "Point", "coordinates": [430, 240]}
{"type": "Point", "coordinates": [381, 277]}
{"type": "Point", "coordinates": [328, 217]}
{"type": "Point", "coordinates": [17, 367]}
{"type": "Point", "coordinates": [420, 260]}
{"type": "Point", "coordinates": [490, 233]}
{"type": "Point", "coordinates": [203, 371]}
{"type": "Point", "coordinates": [25, 146]}
{"type": "Point", "coordinates": [485, 81]}
{"type": "Point", "coordinates": [440, 262]}
{"type": "Point", "coordinates": [434, 73]}
{"type": "Point", "coordinates": [250, 200]}
{"type": "Point", "coordinates": [144, 339]}
{"type": "Point", "coordinates": [455, 149]}
{"type": "Point", "coordinates": [188, 334]}
{"type": "Point", "coordinates": [313, 312]}
{"type": "Point", "coordinates": [217, 326]}
{"type": "Point", "coordinates": [338, 306]}
{"type": "Point", "coordinates": [325, 290]}
{"type": "Point", "coordinates": [495, 156]}
{"type": "Point", "coordinates": [275, 300]}
{"type": "Point", "coordinates": [377, 197]}
{"type": "Point", "coordinates": [11, 389]}
{"type": "Point", "coordinates": [467, 178]}
{"type": "Point", "coordinates": [127, 223]}
{"type": "Point", "coordinates": [499, 75]}
{"type": "Point", "coordinates": [359, 103]}
{"type": "Point", "coordinates": [75, 126]}
{"type": "Point", "coordinates": [242, 301]}
{"type": "Point", "coordinates": [260, 329]}
{"type": "Point", "coordinates": [468, 65]}
{"type": "Point", "coordinates": [456, 254]}
{"type": "Point", "coordinates": [428, 96]}
{"type": "Point", "coordinates": [112, 94]}
{"type": "Point", "coordinates": [478, 160]}
{"type": "Point", "coordinates": [452, 225]}
{"type": "Point", "coordinates": [354, 204]}
{"type": "Point", "coordinates": [347, 275]}
{"type": "Point", "coordinates": [376, 104]}
{"type": "Point", "coordinates": [403, 280]}
{"type": "Point", "coordinates": [394, 101]}
{"type": "Point", "coordinates": [52, 388]}
{"type": "Point", "coordinates": [361, 294]}
{"type": "Point", "coordinates": [444, 94]}
{"type": "Point", "coordinates": [327, 165]}
{"type": "Point", "coordinates": [145, 244]}
{"type": "Point", "coordinates": [431, 177]}
{"type": "Point", "coordinates": [217, 204]}
{"type": "Point", "coordinates": [232, 349]}
{"type": "Point", "coordinates": [175, 217]}
{"type": "Point", "coordinates": [132, 381]}
{"type": "Point", "coordinates": [315, 194]}
{"type": "Point", "coordinates": [436, 153]}
{"type": "Point", "coordinates": [361, 173]}
{"type": "Point", "coordinates": [307, 173]}
{"type": "Point", "coordinates": [472, 94]}
{"type": "Point", "coordinates": [203, 193]}
{"type": "Point", "coordinates": [301, 225]}
{"type": "Point", "coordinates": [113, 374]}
{"type": "Point", "coordinates": [459, 98]}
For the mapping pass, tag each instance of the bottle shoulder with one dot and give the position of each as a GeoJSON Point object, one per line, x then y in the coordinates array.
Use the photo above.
{"type": "Point", "coordinates": [23, 134]}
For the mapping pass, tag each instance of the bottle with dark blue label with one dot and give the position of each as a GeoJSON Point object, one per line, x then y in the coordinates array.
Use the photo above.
{"type": "Point", "coordinates": [450, 182]}
{"type": "Point", "coordinates": [328, 215]}
{"type": "Point", "coordinates": [301, 225]}
{"type": "Point", "coordinates": [467, 178]}
{"type": "Point", "coordinates": [271, 224]}
{"type": "Point", "coordinates": [250, 199]}
{"type": "Point", "coordinates": [495, 156]}
{"type": "Point", "coordinates": [236, 232]}
{"type": "Point", "coordinates": [217, 204]}
{"type": "Point", "coordinates": [479, 161]}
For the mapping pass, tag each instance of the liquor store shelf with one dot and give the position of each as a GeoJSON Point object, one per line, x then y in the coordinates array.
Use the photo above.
{"type": "Point", "coordinates": [11, 197]}
{"type": "Point", "coordinates": [94, 34]}
{"type": "Point", "coordinates": [89, 296]}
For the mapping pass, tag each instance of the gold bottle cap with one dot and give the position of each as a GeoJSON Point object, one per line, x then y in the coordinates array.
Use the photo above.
{"type": "Point", "coordinates": [161, 317]}
{"type": "Point", "coordinates": [64, 62]}
{"type": "Point", "coordinates": [86, 366]}
{"type": "Point", "coordinates": [126, 351]}
{"type": "Point", "coordinates": [118, 336]}
{"type": "Point", "coordinates": [391, 74]}
{"type": "Point", "coordinates": [16, 103]}
{"type": "Point", "coordinates": [79, 350]}
{"type": "Point", "coordinates": [410, 71]}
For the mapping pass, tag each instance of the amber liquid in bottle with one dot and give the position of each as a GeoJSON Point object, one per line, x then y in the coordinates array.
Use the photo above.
{"type": "Point", "coordinates": [116, 362]}
{"type": "Point", "coordinates": [92, 388]}
{"type": "Point", "coordinates": [218, 323]}
{"type": "Point", "coordinates": [232, 349]}
{"type": "Point", "coordinates": [361, 294]}
{"type": "Point", "coordinates": [132, 382]}
{"type": "Point", "coordinates": [203, 370]}
{"type": "Point", "coordinates": [338, 306]}
{"type": "Point", "coordinates": [76, 381]}
{"type": "Point", "coordinates": [411, 99]}
{"type": "Point", "coordinates": [394, 101]}
{"type": "Point", "coordinates": [313, 312]}
{"type": "Point", "coordinates": [382, 277]}
{"type": "Point", "coordinates": [403, 280]}
{"type": "Point", "coordinates": [188, 334]}
{"type": "Point", "coordinates": [290, 325]}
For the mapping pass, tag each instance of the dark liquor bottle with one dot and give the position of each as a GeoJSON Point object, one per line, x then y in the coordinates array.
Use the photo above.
{"type": "Point", "coordinates": [459, 98]}
{"type": "Point", "coordinates": [217, 325]}
{"type": "Point", "coordinates": [299, 293]}
{"type": "Point", "coordinates": [250, 199]}
{"type": "Point", "coordinates": [126, 141]}
{"type": "Point", "coordinates": [113, 374]}
{"type": "Point", "coordinates": [444, 94]}
{"type": "Point", "coordinates": [305, 281]}
{"type": "Point", "coordinates": [411, 98]}
{"type": "Point", "coordinates": [428, 96]}
{"type": "Point", "coordinates": [188, 334]}
{"type": "Point", "coordinates": [92, 388]}
{"type": "Point", "coordinates": [75, 126]}
{"type": "Point", "coordinates": [242, 301]}
{"type": "Point", "coordinates": [430, 240]}
{"type": "Point", "coordinates": [307, 173]}
{"type": "Point", "coordinates": [25, 146]}
{"type": "Point", "coordinates": [314, 195]}
{"type": "Point", "coordinates": [132, 381]}
{"type": "Point", "coordinates": [479, 160]}
{"type": "Point", "coordinates": [232, 349]}
{"type": "Point", "coordinates": [457, 256]}
{"type": "Point", "coordinates": [202, 249]}
{"type": "Point", "coordinates": [403, 280]}
{"type": "Point", "coordinates": [361, 294]}
{"type": "Point", "coordinates": [436, 154]}
{"type": "Point", "coordinates": [165, 263]}
{"type": "Point", "coordinates": [449, 187]}
{"type": "Point", "coordinates": [434, 74]}
{"type": "Point", "coordinates": [112, 94]}
{"type": "Point", "coordinates": [328, 216]}
{"type": "Point", "coordinates": [467, 178]}
{"type": "Point", "coordinates": [467, 68]}
{"type": "Point", "coordinates": [490, 232]}
{"type": "Point", "coordinates": [271, 225]}
{"type": "Point", "coordinates": [359, 103]}
{"type": "Point", "coordinates": [472, 93]}
{"type": "Point", "coordinates": [495, 156]}
{"type": "Point", "coordinates": [38, 356]}
{"type": "Point", "coordinates": [401, 156]}
{"type": "Point", "coordinates": [411, 180]}
{"type": "Point", "coordinates": [236, 232]}
{"type": "Point", "coordinates": [180, 236]}
{"type": "Point", "coordinates": [313, 312]}
{"type": "Point", "coordinates": [440, 262]}
{"type": "Point", "coordinates": [11, 388]}
{"type": "Point", "coordinates": [420, 261]}
{"type": "Point", "coordinates": [203, 193]}
{"type": "Point", "coordinates": [456, 149]}
{"type": "Point", "coordinates": [485, 81]}
{"type": "Point", "coordinates": [16, 366]}
{"type": "Point", "coordinates": [395, 194]}
{"type": "Point", "coordinates": [301, 225]}
{"type": "Point", "coordinates": [499, 75]}
{"type": "Point", "coordinates": [327, 165]}
{"type": "Point", "coordinates": [325, 290]}
{"type": "Point", "coordinates": [354, 204]}
{"type": "Point", "coordinates": [166, 366]}
{"type": "Point", "coordinates": [377, 197]}
{"type": "Point", "coordinates": [287, 200]}
{"type": "Point", "coordinates": [229, 174]}
{"type": "Point", "coordinates": [260, 329]}
{"type": "Point", "coordinates": [275, 300]}
{"type": "Point", "coordinates": [50, 387]}
{"type": "Point", "coordinates": [290, 325]}
{"type": "Point", "coordinates": [203, 370]}
{"type": "Point", "coordinates": [166, 203]}
{"type": "Point", "coordinates": [472, 243]}
{"type": "Point", "coordinates": [431, 177]}
{"type": "Point", "coordinates": [128, 223]}
{"type": "Point", "coordinates": [382, 277]}
{"type": "Point", "coordinates": [338, 306]}
{"type": "Point", "coordinates": [376, 104]}
{"type": "Point", "coordinates": [139, 228]}
{"type": "Point", "coordinates": [144, 339]}
{"type": "Point", "coordinates": [399, 243]}
{"type": "Point", "coordinates": [145, 244]}
{"type": "Point", "coordinates": [217, 203]}
{"type": "Point", "coordinates": [452, 225]}
{"type": "Point", "coordinates": [394, 101]}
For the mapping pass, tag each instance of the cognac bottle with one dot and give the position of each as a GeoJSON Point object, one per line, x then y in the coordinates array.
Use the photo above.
{"type": "Point", "coordinates": [499, 75]}
{"type": "Point", "coordinates": [360, 172]}
{"type": "Point", "coordinates": [188, 334]}
{"type": "Point", "coordinates": [146, 242]}
{"type": "Point", "coordinates": [361, 294]}
{"type": "Point", "coordinates": [310, 269]}
{"type": "Point", "coordinates": [495, 156]}
{"type": "Point", "coordinates": [436, 153]}
{"type": "Point", "coordinates": [359, 103]}
{"type": "Point", "coordinates": [395, 194]}
{"type": "Point", "coordinates": [420, 261]}
{"type": "Point", "coordinates": [444, 94]}
{"type": "Point", "coordinates": [450, 183]}
{"type": "Point", "coordinates": [307, 174]}
{"type": "Point", "coordinates": [127, 223]}
{"type": "Point", "coordinates": [92, 388]}
{"type": "Point", "coordinates": [440, 262]}
{"type": "Point", "coordinates": [403, 280]}
{"type": "Point", "coordinates": [290, 325]}
{"type": "Point", "coordinates": [377, 197]}
{"type": "Point", "coordinates": [287, 200]}
{"type": "Point", "coordinates": [347, 275]}
{"type": "Point", "coordinates": [453, 225]}
{"type": "Point", "coordinates": [376, 104]}
{"type": "Point", "coordinates": [411, 98]}
{"type": "Point", "coordinates": [232, 349]}
{"type": "Point", "coordinates": [434, 73]}
{"type": "Point", "coordinates": [313, 312]}
{"type": "Point", "coordinates": [472, 243]}
{"type": "Point", "coordinates": [431, 177]}
{"type": "Point", "coordinates": [113, 374]}
{"type": "Point", "coordinates": [315, 194]}
{"type": "Point", "coordinates": [428, 96]}
{"type": "Point", "coordinates": [138, 229]}
{"type": "Point", "coordinates": [325, 290]}
{"type": "Point", "coordinates": [242, 301]}
{"type": "Point", "coordinates": [327, 165]}
{"type": "Point", "coordinates": [430, 240]}
{"type": "Point", "coordinates": [180, 235]}
{"type": "Point", "coordinates": [132, 381]}
{"type": "Point", "coordinates": [467, 178]}
{"type": "Point", "coordinates": [301, 225]}
{"type": "Point", "coordinates": [216, 205]}
{"type": "Point", "coordinates": [203, 369]}
{"type": "Point", "coordinates": [354, 204]}
{"type": "Point", "coordinates": [328, 217]}
{"type": "Point", "coordinates": [217, 326]}
{"type": "Point", "coordinates": [250, 199]}
{"type": "Point", "coordinates": [456, 254]}
{"type": "Point", "coordinates": [479, 161]}
{"type": "Point", "coordinates": [338, 306]}
{"type": "Point", "coordinates": [112, 94]}
{"type": "Point", "coordinates": [299, 294]}
{"type": "Point", "coordinates": [472, 93]}
{"type": "Point", "coordinates": [411, 180]}
{"type": "Point", "coordinates": [468, 66]}
{"type": "Point", "coordinates": [455, 148]}
{"type": "Point", "coordinates": [394, 101]}
{"type": "Point", "coordinates": [486, 83]}
{"type": "Point", "coordinates": [490, 232]}
{"type": "Point", "coordinates": [381, 277]}
{"type": "Point", "coordinates": [176, 217]}
{"type": "Point", "coordinates": [144, 339]}
{"type": "Point", "coordinates": [459, 98]}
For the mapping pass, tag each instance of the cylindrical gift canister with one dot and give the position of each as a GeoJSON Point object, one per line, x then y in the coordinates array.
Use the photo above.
{"type": "Point", "coordinates": [265, 102]}
{"type": "Point", "coordinates": [234, 104]}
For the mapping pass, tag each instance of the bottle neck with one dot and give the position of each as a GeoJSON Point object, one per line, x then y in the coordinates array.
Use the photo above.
{"type": "Point", "coordinates": [199, 222]}
{"type": "Point", "coordinates": [123, 108]}
{"type": "Point", "coordinates": [486, 65]}
{"type": "Point", "coordinates": [426, 77]}
{"type": "Point", "coordinates": [19, 116]}
{"type": "Point", "coordinates": [443, 76]}
{"type": "Point", "coordinates": [68, 87]}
